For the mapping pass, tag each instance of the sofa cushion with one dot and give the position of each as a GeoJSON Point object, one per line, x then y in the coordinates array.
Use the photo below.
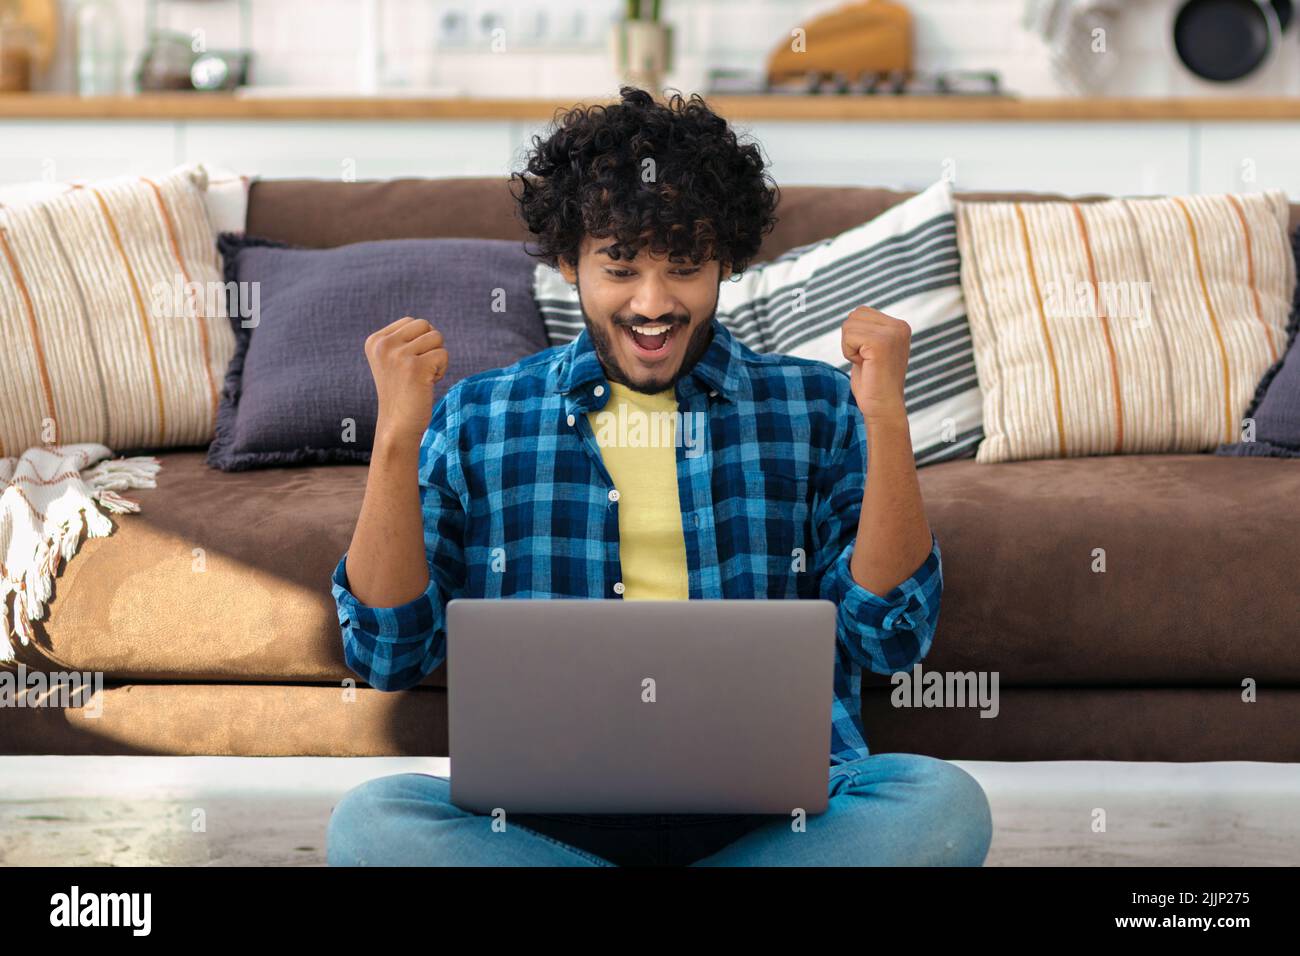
{"type": "Point", "coordinates": [225, 197]}
{"type": "Point", "coordinates": [225, 576]}
{"type": "Point", "coordinates": [1200, 574]}
{"type": "Point", "coordinates": [324, 213]}
{"type": "Point", "coordinates": [221, 575]}
{"type": "Point", "coordinates": [113, 323]}
{"type": "Point", "coordinates": [299, 387]}
{"type": "Point", "coordinates": [1128, 326]}
{"type": "Point", "coordinates": [1033, 723]}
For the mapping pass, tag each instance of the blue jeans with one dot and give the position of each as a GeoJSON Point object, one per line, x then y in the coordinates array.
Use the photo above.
{"type": "Point", "coordinates": [892, 809]}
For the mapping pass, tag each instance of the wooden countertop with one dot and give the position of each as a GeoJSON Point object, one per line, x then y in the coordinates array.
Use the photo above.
{"type": "Point", "coordinates": [221, 106]}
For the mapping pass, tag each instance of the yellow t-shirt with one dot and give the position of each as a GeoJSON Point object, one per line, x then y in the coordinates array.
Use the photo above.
{"type": "Point", "coordinates": [637, 444]}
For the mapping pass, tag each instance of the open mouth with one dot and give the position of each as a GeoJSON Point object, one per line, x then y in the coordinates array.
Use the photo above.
{"type": "Point", "coordinates": [651, 339]}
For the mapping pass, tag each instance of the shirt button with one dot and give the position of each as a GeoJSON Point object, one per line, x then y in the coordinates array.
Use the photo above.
{"type": "Point", "coordinates": [697, 521]}
{"type": "Point", "coordinates": [901, 617]}
{"type": "Point", "coordinates": [598, 391]}
{"type": "Point", "coordinates": [618, 587]}
{"type": "Point", "coordinates": [713, 393]}
{"type": "Point", "coordinates": [571, 419]}
{"type": "Point", "coordinates": [613, 494]}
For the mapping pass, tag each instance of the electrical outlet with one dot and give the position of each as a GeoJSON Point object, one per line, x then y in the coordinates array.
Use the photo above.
{"type": "Point", "coordinates": [452, 24]}
{"type": "Point", "coordinates": [530, 26]}
{"type": "Point", "coordinates": [485, 18]}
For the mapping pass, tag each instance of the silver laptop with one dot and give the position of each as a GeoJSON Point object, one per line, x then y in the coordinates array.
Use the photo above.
{"type": "Point", "coordinates": [608, 706]}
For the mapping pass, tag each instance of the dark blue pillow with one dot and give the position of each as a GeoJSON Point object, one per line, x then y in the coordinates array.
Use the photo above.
{"type": "Point", "coordinates": [1276, 405]}
{"type": "Point", "coordinates": [301, 370]}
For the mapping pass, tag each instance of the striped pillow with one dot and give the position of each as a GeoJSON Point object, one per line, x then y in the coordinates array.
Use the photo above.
{"type": "Point", "coordinates": [1125, 325]}
{"type": "Point", "coordinates": [104, 342]}
{"type": "Point", "coordinates": [903, 262]}
{"type": "Point", "coordinates": [225, 195]}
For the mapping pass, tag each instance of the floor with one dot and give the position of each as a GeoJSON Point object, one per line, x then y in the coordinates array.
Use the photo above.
{"type": "Point", "coordinates": [218, 811]}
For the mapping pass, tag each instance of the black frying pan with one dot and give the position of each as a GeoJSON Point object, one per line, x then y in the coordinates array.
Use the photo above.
{"type": "Point", "coordinates": [1224, 40]}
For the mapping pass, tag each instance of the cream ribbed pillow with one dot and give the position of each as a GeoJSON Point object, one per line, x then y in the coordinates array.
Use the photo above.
{"type": "Point", "coordinates": [100, 338]}
{"type": "Point", "coordinates": [1125, 325]}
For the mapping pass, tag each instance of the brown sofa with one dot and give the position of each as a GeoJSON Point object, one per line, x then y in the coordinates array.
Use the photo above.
{"type": "Point", "coordinates": [1143, 662]}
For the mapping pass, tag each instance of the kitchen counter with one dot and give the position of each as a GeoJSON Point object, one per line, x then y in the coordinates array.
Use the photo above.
{"type": "Point", "coordinates": [199, 106]}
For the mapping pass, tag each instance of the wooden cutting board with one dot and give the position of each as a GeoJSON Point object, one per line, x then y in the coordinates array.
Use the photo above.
{"type": "Point", "coordinates": [865, 36]}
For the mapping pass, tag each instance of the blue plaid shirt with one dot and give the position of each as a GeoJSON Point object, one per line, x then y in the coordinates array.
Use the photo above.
{"type": "Point", "coordinates": [510, 462]}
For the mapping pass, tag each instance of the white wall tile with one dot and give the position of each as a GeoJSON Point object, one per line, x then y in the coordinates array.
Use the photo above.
{"type": "Point", "coordinates": [313, 42]}
{"type": "Point", "coordinates": [579, 75]}
{"type": "Point", "coordinates": [992, 27]}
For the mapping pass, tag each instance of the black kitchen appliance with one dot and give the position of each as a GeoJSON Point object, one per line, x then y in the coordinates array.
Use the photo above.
{"type": "Point", "coordinates": [1226, 40]}
{"type": "Point", "coordinates": [170, 60]}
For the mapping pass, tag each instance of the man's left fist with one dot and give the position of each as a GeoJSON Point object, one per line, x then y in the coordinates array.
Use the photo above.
{"type": "Point", "coordinates": [878, 346]}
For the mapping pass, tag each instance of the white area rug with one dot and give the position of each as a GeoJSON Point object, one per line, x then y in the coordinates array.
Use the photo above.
{"type": "Point", "coordinates": [143, 811]}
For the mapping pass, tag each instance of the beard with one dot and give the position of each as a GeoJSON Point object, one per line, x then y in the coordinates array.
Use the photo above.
{"type": "Point", "coordinates": [696, 347]}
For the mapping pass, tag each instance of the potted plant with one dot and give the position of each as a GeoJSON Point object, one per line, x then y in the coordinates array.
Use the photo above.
{"type": "Point", "coordinates": [642, 45]}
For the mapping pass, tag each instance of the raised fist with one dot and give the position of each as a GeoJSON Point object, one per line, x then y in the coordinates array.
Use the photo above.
{"type": "Point", "coordinates": [407, 358]}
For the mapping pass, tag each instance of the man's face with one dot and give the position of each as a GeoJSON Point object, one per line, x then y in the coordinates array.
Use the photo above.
{"type": "Point", "coordinates": [648, 317]}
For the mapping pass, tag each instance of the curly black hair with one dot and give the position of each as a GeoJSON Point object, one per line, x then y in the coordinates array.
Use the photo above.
{"type": "Point", "coordinates": [703, 195]}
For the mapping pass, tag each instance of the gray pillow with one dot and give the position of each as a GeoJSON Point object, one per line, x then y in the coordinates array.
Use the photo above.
{"type": "Point", "coordinates": [1276, 403]}
{"type": "Point", "coordinates": [300, 372]}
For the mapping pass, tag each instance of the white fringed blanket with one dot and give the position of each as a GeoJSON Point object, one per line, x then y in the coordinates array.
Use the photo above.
{"type": "Point", "coordinates": [47, 495]}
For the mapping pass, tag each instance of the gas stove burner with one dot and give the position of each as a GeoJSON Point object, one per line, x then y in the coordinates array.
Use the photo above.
{"type": "Point", "coordinates": [894, 83]}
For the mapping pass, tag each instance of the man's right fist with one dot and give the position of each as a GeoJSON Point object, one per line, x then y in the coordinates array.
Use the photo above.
{"type": "Point", "coordinates": [407, 358]}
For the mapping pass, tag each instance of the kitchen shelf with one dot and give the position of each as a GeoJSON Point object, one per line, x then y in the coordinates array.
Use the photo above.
{"type": "Point", "coordinates": [223, 106]}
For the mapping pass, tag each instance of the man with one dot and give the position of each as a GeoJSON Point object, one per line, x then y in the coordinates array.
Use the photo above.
{"type": "Point", "coordinates": [520, 484]}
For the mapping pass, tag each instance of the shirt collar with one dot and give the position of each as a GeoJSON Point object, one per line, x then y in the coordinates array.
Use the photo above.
{"type": "Point", "coordinates": [719, 371]}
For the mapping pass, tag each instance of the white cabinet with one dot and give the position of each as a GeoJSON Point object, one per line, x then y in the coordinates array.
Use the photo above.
{"type": "Point", "coordinates": [1249, 157]}
{"type": "Point", "coordinates": [1072, 158]}
{"type": "Point", "coordinates": [56, 150]}
{"type": "Point", "coordinates": [350, 149]}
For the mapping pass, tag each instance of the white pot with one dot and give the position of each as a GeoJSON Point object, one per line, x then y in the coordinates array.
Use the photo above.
{"type": "Point", "coordinates": [642, 52]}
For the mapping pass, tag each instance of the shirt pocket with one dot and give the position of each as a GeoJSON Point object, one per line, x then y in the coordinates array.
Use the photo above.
{"type": "Point", "coordinates": [777, 508]}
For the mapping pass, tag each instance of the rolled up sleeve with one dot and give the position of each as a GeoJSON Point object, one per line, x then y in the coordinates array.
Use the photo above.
{"type": "Point", "coordinates": [393, 648]}
{"type": "Point", "coordinates": [890, 632]}
{"type": "Point", "coordinates": [883, 633]}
